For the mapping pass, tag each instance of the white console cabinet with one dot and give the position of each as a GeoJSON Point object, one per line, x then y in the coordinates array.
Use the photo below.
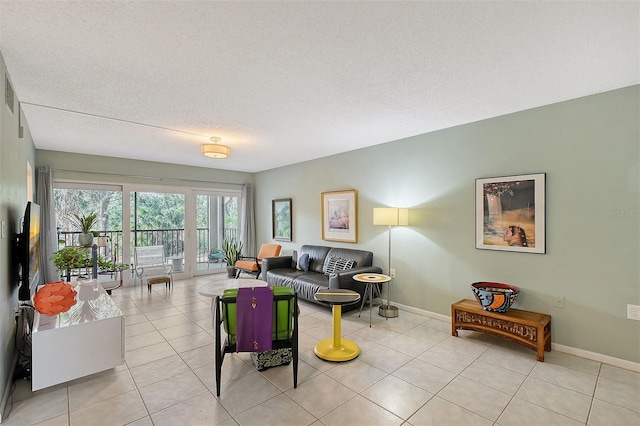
{"type": "Point", "coordinates": [86, 339]}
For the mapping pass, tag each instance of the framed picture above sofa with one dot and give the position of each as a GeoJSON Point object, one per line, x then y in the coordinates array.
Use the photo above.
{"type": "Point", "coordinates": [510, 213]}
{"type": "Point", "coordinates": [281, 219]}
{"type": "Point", "coordinates": [339, 216]}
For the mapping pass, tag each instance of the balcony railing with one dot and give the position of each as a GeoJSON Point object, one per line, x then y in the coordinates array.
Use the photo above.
{"type": "Point", "coordinates": [171, 239]}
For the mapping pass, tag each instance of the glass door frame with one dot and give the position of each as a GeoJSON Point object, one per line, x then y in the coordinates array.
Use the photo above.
{"type": "Point", "coordinates": [194, 241]}
{"type": "Point", "coordinates": [190, 225]}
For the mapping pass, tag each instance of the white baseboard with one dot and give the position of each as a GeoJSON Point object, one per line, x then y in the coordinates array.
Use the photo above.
{"type": "Point", "coordinates": [594, 356]}
{"type": "Point", "coordinates": [7, 389]}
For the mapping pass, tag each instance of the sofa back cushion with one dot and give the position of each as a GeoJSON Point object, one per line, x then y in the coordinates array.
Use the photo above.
{"type": "Point", "coordinates": [317, 256]}
{"type": "Point", "coordinates": [360, 257]}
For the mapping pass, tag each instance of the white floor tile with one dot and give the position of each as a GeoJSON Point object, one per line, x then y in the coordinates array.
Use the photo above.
{"type": "Point", "coordinates": [556, 398]}
{"type": "Point", "coordinates": [410, 371]}
{"type": "Point", "coordinates": [439, 412]}
{"type": "Point", "coordinates": [171, 391]}
{"type": "Point", "coordinates": [359, 410]}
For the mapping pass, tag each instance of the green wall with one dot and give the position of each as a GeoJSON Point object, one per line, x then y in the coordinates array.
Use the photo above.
{"type": "Point", "coordinates": [14, 154]}
{"type": "Point", "coordinates": [589, 150]}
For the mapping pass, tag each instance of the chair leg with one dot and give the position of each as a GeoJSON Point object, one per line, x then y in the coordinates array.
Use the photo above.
{"type": "Point", "coordinates": [218, 371]}
{"type": "Point", "coordinates": [218, 355]}
{"type": "Point", "coordinates": [294, 342]}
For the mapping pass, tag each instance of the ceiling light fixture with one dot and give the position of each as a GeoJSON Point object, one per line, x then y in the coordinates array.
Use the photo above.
{"type": "Point", "coordinates": [215, 150]}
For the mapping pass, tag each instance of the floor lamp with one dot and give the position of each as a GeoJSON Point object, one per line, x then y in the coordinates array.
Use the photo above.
{"type": "Point", "coordinates": [390, 216]}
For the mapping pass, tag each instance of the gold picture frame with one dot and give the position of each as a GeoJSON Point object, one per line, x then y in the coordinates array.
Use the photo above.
{"type": "Point", "coordinates": [340, 216]}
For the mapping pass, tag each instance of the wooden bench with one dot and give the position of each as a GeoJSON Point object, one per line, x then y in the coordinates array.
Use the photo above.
{"type": "Point", "coordinates": [151, 262]}
{"type": "Point", "coordinates": [528, 328]}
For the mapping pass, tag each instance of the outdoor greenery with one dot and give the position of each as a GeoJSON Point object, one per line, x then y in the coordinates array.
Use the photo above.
{"type": "Point", "coordinates": [149, 211]}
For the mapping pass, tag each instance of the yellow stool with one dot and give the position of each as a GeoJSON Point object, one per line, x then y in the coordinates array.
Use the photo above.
{"type": "Point", "coordinates": [158, 280]}
{"type": "Point", "coordinates": [337, 349]}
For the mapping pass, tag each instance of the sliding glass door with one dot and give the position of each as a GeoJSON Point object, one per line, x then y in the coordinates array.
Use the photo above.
{"type": "Point", "coordinates": [158, 219]}
{"type": "Point", "coordinates": [190, 224]}
{"type": "Point", "coordinates": [72, 198]}
{"type": "Point", "coordinates": [217, 219]}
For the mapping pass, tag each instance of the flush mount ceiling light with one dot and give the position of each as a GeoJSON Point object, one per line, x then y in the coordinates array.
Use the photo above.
{"type": "Point", "coordinates": [215, 150]}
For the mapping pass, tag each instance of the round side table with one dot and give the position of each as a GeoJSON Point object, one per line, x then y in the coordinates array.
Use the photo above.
{"type": "Point", "coordinates": [387, 310]}
{"type": "Point", "coordinates": [337, 349]}
{"type": "Point", "coordinates": [371, 279]}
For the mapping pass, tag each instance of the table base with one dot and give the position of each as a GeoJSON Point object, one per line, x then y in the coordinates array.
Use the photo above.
{"type": "Point", "coordinates": [388, 311]}
{"type": "Point", "coordinates": [347, 350]}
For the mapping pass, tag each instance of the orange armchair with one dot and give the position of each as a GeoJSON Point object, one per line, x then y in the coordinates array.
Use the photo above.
{"type": "Point", "coordinates": [253, 265]}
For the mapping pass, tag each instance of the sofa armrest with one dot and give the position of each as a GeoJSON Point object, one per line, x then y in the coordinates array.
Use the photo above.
{"type": "Point", "coordinates": [269, 263]}
{"type": "Point", "coordinates": [344, 279]}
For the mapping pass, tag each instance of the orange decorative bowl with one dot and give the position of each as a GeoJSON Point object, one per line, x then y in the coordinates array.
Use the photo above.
{"type": "Point", "coordinates": [495, 297]}
{"type": "Point", "coordinates": [54, 298]}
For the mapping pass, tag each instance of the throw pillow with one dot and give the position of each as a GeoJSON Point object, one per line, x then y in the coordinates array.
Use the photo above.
{"type": "Point", "coordinates": [303, 262]}
{"type": "Point", "coordinates": [336, 264]}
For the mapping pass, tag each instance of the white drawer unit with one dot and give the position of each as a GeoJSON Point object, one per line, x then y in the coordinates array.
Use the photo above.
{"type": "Point", "coordinates": [86, 339]}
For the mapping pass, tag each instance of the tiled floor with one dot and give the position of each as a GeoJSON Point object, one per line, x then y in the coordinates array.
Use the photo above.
{"type": "Point", "coordinates": [411, 371]}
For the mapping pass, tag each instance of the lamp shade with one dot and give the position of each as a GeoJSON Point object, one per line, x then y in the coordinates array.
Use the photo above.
{"type": "Point", "coordinates": [390, 216]}
{"type": "Point", "coordinates": [215, 150]}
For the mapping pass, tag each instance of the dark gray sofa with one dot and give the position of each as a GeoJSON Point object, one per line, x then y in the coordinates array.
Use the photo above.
{"type": "Point", "coordinates": [283, 271]}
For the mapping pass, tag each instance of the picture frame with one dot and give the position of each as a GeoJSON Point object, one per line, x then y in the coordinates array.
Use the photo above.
{"type": "Point", "coordinates": [340, 216]}
{"type": "Point", "coordinates": [281, 223]}
{"type": "Point", "coordinates": [510, 213]}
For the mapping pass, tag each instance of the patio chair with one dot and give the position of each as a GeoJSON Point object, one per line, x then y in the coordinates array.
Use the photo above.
{"type": "Point", "coordinates": [253, 265]}
{"type": "Point", "coordinates": [151, 262]}
{"type": "Point", "coordinates": [284, 330]}
{"type": "Point", "coordinates": [215, 256]}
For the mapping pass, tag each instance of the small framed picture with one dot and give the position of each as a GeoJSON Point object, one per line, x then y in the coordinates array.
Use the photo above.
{"type": "Point", "coordinates": [510, 213]}
{"type": "Point", "coordinates": [339, 216]}
{"type": "Point", "coordinates": [281, 219]}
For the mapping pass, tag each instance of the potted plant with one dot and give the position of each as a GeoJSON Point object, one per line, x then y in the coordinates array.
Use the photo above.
{"type": "Point", "coordinates": [110, 266]}
{"type": "Point", "coordinates": [85, 222]}
{"type": "Point", "coordinates": [232, 251]}
{"type": "Point", "coordinates": [69, 258]}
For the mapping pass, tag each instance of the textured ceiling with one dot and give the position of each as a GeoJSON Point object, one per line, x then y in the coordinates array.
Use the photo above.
{"type": "Point", "coordinates": [285, 82]}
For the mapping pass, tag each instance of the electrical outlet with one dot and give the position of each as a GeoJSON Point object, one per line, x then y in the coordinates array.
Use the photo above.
{"type": "Point", "coordinates": [633, 312]}
{"type": "Point", "coordinates": [559, 302]}
{"type": "Point", "coordinates": [392, 273]}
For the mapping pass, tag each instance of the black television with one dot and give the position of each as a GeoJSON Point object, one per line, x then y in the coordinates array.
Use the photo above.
{"type": "Point", "coordinates": [28, 252]}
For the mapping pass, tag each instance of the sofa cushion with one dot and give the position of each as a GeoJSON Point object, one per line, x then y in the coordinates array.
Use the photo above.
{"type": "Point", "coordinates": [336, 264]}
{"type": "Point", "coordinates": [317, 256]}
{"type": "Point", "coordinates": [306, 284]}
{"type": "Point", "coordinates": [303, 262]}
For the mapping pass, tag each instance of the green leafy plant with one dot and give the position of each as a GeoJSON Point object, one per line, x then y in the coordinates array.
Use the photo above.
{"type": "Point", "coordinates": [85, 222]}
{"type": "Point", "coordinates": [108, 265]}
{"type": "Point", "coordinates": [232, 251]}
{"type": "Point", "coordinates": [70, 258]}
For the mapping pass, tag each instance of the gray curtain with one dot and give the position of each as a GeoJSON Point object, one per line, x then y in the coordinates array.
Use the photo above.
{"type": "Point", "coordinates": [49, 236]}
{"type": "Point", "coordinates": [248, 222]}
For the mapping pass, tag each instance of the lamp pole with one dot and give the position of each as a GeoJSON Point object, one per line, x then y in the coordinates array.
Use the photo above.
{"type": "Point", "coordinates": [388, 311]}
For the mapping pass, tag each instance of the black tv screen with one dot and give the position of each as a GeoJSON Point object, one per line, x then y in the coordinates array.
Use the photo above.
{"type": "Point", "coordinates": [29, 252]}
